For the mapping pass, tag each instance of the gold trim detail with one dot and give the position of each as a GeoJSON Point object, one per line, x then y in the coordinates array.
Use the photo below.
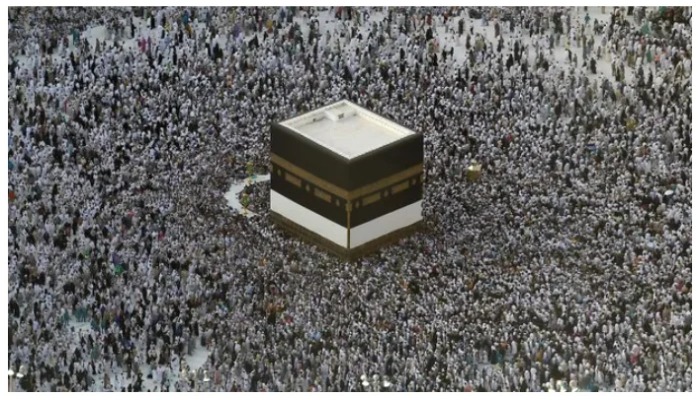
{"type": "Point", "coordinates": [322, 195]}
{"type": "Point", "coordinates": [388, 181]}
{"type": "Point", "coordinates": [371, 199]}
{"type": "Point", "coordinates": [292, 179]}
{"type": "Point", "coordinates": [342, 193]}
{"type": "Point", "coordinates": [327, 186]}
{"type": "Point", "coordinates": [400, 187]}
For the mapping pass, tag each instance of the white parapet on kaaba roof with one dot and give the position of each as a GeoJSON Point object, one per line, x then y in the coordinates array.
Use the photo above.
{"type": "Point", "coordinates": [347, 129]}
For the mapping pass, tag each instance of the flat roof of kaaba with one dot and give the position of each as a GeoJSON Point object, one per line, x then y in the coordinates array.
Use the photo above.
{"type": "Point", "coordinates": [347, 129]}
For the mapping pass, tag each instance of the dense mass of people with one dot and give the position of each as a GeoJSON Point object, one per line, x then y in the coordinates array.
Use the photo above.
{"type": "Point", "coordinates": [567, 266]}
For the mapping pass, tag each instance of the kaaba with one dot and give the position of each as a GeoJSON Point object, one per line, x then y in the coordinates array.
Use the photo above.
{"type": "Point", "coordinates": [346, 179]}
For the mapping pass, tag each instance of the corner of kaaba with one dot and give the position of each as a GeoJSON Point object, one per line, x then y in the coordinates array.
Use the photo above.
{"type": "Point", "coordinates": [344, 187]}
